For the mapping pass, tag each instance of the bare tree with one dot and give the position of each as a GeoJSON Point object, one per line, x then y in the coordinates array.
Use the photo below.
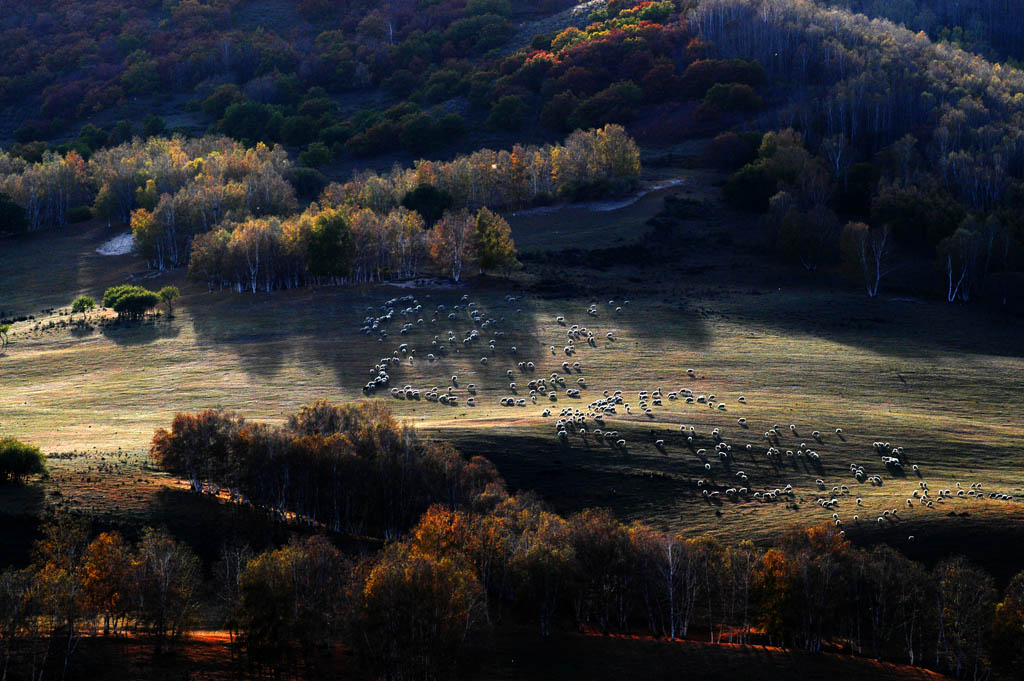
{"type": "Point", "coordinates": [871, 249]}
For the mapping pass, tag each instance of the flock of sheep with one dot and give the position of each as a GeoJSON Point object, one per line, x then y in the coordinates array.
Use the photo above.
{"type": "Point", "coordinates": [590, 422]}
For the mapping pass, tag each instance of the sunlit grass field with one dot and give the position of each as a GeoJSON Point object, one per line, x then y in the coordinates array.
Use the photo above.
{"type": "Point", "coordinates": [942, 382]}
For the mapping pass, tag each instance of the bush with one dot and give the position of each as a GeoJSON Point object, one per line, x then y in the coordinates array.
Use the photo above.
{"type": "Point", "coordinates": [729, 150]}
{"type": "Point", "coordinates": [615, 104]}
{"type": "Point", "coordinates": [419, 133]}
{"type": "Point", "coordinates": [317, 154]}
{"type": "Point", "coordinates": [733, 97]}
{"type": "Point", "coordinates": [750, 188]}
{"type": "Point", "coordinates": [508, 113]}
{"type": "Point", "coordinates": [18, 460]}
{"type": "Point", "coordinates": [297, 131]}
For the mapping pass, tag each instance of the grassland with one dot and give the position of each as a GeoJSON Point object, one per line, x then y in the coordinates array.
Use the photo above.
{"type": "Point", "coordinates": [941, 381]}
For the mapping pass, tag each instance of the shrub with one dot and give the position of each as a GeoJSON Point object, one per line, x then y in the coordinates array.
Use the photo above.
{"type": "Point", "coordinates": [508, 113]}
{"type": "Point", "coordinates": [317, 154]}
{"type": "Point", "coordinates": [750, 187]}
{"type": "Point", "coordinates": [297, 131]}
{"type": "Point", "coordinates": [733, 97]}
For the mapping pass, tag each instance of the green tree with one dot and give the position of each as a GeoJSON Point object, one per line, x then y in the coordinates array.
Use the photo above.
{"type": "Point", "coordinates": [495, 248]}
{"type": "Point", "coordinates": [18, 460]}
{"type": "Point", "coordinates": [330, 245]}
{"type": "Point", "coordinates": [168, 294]}
{"type": "Point", "coordinates": [429, 201]}
{"type": "Point", "coordinates": [83, 304]}
{"type": "Point", "coordinates": [12, 215]}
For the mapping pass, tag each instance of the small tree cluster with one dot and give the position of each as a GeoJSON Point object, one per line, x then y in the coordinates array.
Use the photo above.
{"type": "Point", "coordinates": [130, 302]}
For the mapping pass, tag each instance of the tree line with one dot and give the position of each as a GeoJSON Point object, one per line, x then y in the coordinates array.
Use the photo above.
{"type": "Point", "coordinates": [465, 557]}
{"type": "Point", "coordinates": [350, 468]}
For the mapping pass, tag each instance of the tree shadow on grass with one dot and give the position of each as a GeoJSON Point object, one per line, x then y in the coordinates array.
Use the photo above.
{"type": "Point", "coordinates": [141, 332]}
{"type": "Point", "coordinates": [21, 507]}
{"type": "Point", "coordinates": [894, 327]}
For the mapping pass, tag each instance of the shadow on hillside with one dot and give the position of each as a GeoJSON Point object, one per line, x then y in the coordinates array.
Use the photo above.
{"type": "Point", "coordinates": [48, 268]}
{"type": "Point", "coordinates": [896, 327]}
{"type": "Point", "coordinates": [208, 524]}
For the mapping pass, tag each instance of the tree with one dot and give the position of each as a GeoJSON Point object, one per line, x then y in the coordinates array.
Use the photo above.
{"type": "Point", "coordinates": [417, 613]}
{"type": "Point", "coordinates": [508, 113]}
{"type": "Point", "coordinates": [83, 304]}
{"type": "Point", "coordinates": [59, 574]}
{"type": "Point", "coordinates": [130, 302]}
{"type": "Point", "coordinates": [451, 242]}
{"type": "Point", "coordinates": [107, 564]}
{"type": "Point", "coordinates": [291, 600]}
{"type": "Point", "coordinates": [165, 579]}
{"type": "Point", "coordinates": [4, 330]}
{"type": "Point", "coordinates": [429, 201]}
{"type": "Point", "coordinates": [330, 245]}
{"type": "Point", "coordinates": [494, 245]}
{"type": "Point", "coordinates": [1007, 644]}
{"type": "Point", "coordinates": [868, 251]}
{"type": "Point", "coordinates": [18, 460]}
{"type": "Point", "coordinates": [12, 216]}
{"type": "Point", "coordinates": [168, 294]}
{"type": "Point", "coordinates": [966, 603]}
{"type": "Point", "coordinates": [962, 253]}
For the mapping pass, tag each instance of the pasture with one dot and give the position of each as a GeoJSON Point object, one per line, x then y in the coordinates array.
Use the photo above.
{"type": "Point", "coordinates": [942, 382]}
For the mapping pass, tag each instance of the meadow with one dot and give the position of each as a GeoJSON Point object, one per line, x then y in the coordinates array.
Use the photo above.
{"type": "Point", "coordinates": [941, 381]}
